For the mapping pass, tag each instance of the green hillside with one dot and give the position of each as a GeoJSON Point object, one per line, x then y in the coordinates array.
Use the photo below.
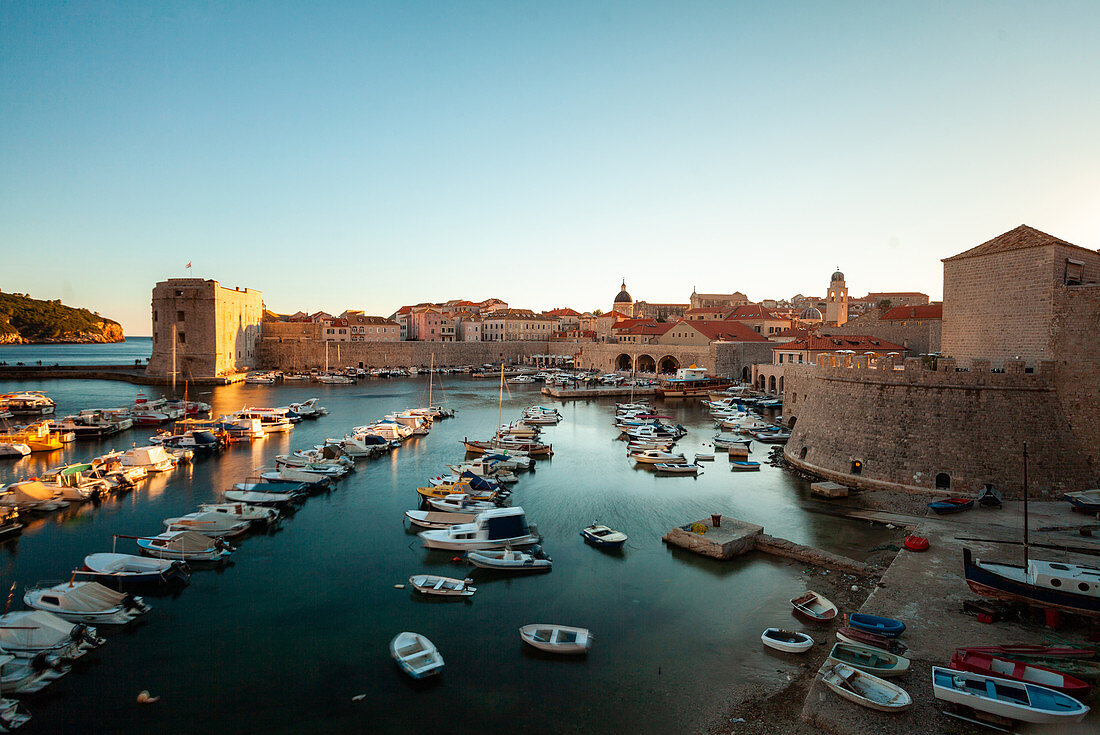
{"type": "Point", "coordinates": [23, 320]}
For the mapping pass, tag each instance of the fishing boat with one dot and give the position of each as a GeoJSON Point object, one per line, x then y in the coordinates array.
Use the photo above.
{"type": "Point", "coordinates": [872, 660]}
{"type": "Point", "coordinates": [741, 466]}
{"type": "Point", "coordinates": [257, 515]}
{"type": "Point", "coordinates": [863, 638]}
{"type": "Point", "coordinates": [814, 606]}
{"type": "Point", "coordinates": [603, 536]}
{"type": "Point", "coordinates": [887, 627]}
{"type": "Point", "coordinates": [86, 602]}
{"type": "Point", "coordinates": [1073, 661]}
{"type": "Point", "coordinates": [416, 655]}
{"type": "Point", "coordinates": [865, 689]}
{"type": "Point", "coordinates": [184, 546]}
{"type": "Point", "coordinates": [1086, 501]}
{"type": "Point", "coordinates": [511, 561]}
{"type": "Point", "coordinates": [1073, 588]}
{"type": "Point", "coordinates": [915, 543]}
{"type": "Point", "coordinates": [1006, 698]}
{"type": "Point", "coordinates": [260, 497]}
{"type": "Point", "coordinates": [459, 504]}
{"type": "Point", "coordinates": [430, 519]}
{"type": "Point", "coordinates": [788, 641]}
{"type": "Point", "coordinates": [430, 584]}
{"type": "Point", "coordinates": [209, 523]}
{"type": "Point", "coordinates": [32, 495]}
{"type": "Point", "coordinates": [491, 529]}
{"type": "Point", "coordinates": [129, 569]}
{"type": "Point", "coordinates": [990, 664]}
{"type": "Point", "coordinates": [989, 497]}
{"type": "Point", "coordinates": [27, 633]}
{"type": "Point", "coordinates": [23, 676]}
{"type": "Point", "coordinates": [656, 456]}
{"type": "Point", "coordinates": [563, 639]}
{"type": "Point", "coordinates": [950, 505]}
{"type": "Point", "coordinates": [663, 468]}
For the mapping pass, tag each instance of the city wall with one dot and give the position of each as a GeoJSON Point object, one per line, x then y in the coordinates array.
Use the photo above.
{"type": "Point", "coordinates": [1076, 340]}
{"type": "Point", "coordinates": [727, 359]}
{"type": "Point", "coordinates": [916, 428]}
{"type": "Point", "coordinates": [294, 355]}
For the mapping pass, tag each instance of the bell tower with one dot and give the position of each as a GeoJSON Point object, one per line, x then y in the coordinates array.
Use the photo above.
{"type": "Point", "coordinates": [836, 302]}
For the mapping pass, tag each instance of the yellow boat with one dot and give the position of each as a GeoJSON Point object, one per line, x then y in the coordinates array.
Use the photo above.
{"type": "Point", "coordinates": [442, 491]}
{"type": "Point", "coordinates": [36, 436]}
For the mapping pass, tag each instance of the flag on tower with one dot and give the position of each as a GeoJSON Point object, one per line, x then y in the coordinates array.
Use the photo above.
{"type": "Point", "coordinates": [189, 264]}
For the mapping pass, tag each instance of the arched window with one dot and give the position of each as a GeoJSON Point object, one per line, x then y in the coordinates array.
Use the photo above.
{"type": "Point", "coordinates": [943, 481]}
{"type": "Point", "coordinates": [802, 452]}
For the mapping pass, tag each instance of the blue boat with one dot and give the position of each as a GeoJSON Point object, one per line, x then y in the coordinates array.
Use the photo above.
{"type": "Point", "coordinates": [874, 624]}
{"type": "Point", "coordinates": [744, 466]}
{"type": "Point", "coordinates": [950, 505]}
{"type": "Point", "coordinates": [1086, 501]}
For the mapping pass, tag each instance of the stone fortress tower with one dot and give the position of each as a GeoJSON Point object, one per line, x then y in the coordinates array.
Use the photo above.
{"type": "Point", "coordinates": [214, 329]}
{"type": "Point", "coordinates": [623, 303]}
{"type": "Point", "coordinates": [836, 303]}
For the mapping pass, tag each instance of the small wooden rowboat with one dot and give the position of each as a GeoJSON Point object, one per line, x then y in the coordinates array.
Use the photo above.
{"type": "Point", "coordinates": [863, 638]}
{"type": "Point", "coordinates": [556, 638]}
{"type": "Point", "coordinates": [416, 655]}
{"type": "Point", "coordinates": [1023, 651]}
{"type": "Point", "coordinates": [814, 606]}
{"type": "Point", "coordinates": [676, 469]}
{"type": "Point", "coordinates": [916, 543]}
{"type": "Point", "coordinates": [872, 660]}
{"type": "Point", "coordinates": [788, 641]}
{"type": "Point", "coordinates": [989, 664]}
{"type": "Point", "coordinates": [950, 505]}
{"type": "Point", "coordinates": [744, 466]}
{"type": "Point", "coordinates": [887, 627]}
{"type": "Point", "coordinates": [864, 689]}
{"type": "Point", "coordinates": [1005, 698]}
{"type": "Point", "coordinates": [1072, 661]}
{"type": "Point", "coordinates": [430, 584]}
{"type": "Point", "coordinates": [1086, 501]}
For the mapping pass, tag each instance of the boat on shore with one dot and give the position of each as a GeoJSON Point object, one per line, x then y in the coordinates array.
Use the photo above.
{"type": "Point", "coordinates": [865, 689]}
{"type": "Point", "coordinates": [1006, 698]}
{"type": "Point", "coordinates": [788, 641]}
{"type": "Point", "coordinates": [871, 660]}
{"type": "Point", "coordinates": [1073, 588]}
{"type": "Point", "coordinates": [1085, 501]}
{"type": "Point", "coordinates": [990, 664]}
{"type": "Point", "coordinates": [863, 638]}
{"type": "Point", "coordinates": [887, 627]}
{"type": "Point", "coordinates": [950, 505]}
{"type": "Point", "coordinates": [814, 606]}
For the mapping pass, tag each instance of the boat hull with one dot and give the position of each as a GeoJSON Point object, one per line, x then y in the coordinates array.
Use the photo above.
{"type": "Point", "coordinates": [998, 587]}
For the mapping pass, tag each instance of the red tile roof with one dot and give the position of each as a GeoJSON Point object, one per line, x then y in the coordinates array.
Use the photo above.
{"type": "Point", "coordinates": [563, 312]}
{"type": "Point", "coordinates": [727, 331]}
{"type": "Point", "coordinates": [643, 327]}
{"type": "Point", "coordinates": [1021, 238]}
{"type": "Point", "coordinates": [752, 311]}
{"type": "Point", "coordinates": [925, 311]}
{"type": "Point", "coordinates": [855, 342]}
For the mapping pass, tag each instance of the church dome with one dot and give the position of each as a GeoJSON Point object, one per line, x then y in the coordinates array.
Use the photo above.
{"type": "Point", "coordinates": [623, 297]}
{"type": "Point", "coordinates": [810, 314]}
{"type": "Point", "coordinates": [838, 276]}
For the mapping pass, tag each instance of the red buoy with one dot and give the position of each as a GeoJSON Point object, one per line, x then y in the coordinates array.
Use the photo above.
{"type": "Point", "coordinates": [916, 543]}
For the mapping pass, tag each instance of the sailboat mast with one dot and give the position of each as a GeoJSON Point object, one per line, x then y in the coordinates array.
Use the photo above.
{"type": "Point", "coordinates": [173, 359]}
{"type": "Point", "coordinates": [500, 403]}
{"type": "Point", "coordinates": [1026, 528]}
{"type": "Point", "coordinates": [431, 379]}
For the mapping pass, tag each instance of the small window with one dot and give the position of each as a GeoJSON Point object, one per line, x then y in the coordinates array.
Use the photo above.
{"type": "Point", "coordinates": [154, 316]}
{"type": "Point", "coordinates": [1060, 567]}
{"type": "Point", "coordinates": [802, 452]}
{"type": "Point", "coordinates": [943, 481]}
{"type": "Point", "coordinates": [1055, 582]}
{"type": "Point", "coordinates": [1082, 586]}
{"type": "Point", "coordinates": [180, 316]}
{"type": "Point", "coordinates": [857, 467]}
{"type": "Point", "coordinates": [182, 337]}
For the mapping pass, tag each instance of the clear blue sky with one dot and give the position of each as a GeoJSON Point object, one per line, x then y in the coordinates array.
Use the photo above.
{"type": "Point", "coordinates": [365, 155]}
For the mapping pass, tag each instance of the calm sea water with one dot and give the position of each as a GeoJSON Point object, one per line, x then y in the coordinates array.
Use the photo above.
{"type": "Point", "coordinates": [281, 639]}
{"type": "Point", "coordinates": [117, 353]}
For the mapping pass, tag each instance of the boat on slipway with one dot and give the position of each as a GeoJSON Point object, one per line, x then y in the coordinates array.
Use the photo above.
{"type": "Point", "coordinates": [1006, 698]}
{"type": "Point", "coordinates": [872, 660]}
{"type": "Point", "coordinates": [814, 606]}
{"type": "Point", "coordinates": [865, 689]}
{"type": "Point", "coordinates": [788, 641]}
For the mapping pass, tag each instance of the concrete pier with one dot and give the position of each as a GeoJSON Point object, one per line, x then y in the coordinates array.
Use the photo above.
{"type": "Point", "coordinates": [572, 394]}
{"type": "Point", "coordinates": [829, 490]}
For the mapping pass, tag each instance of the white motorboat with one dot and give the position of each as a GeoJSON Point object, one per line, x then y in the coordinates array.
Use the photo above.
{"type": "Point", "coordinates": [131, 569]}
{"type": "Point", "coordinates": [27, 403]}
{"type": "Point", "coordinates": [511, 561]}
{"type": "Point", "coordinates": [491, 529]}
{"type": "Point", "coordinates": [430, 519]}
{"type": "Point", "coordinates": [32, 495]}
{"type": "Point", "coordinates": [243, 512]}
{"type": "Point", "coordinates": [386, 429]}
{"type": "Point", "coordinates": [272, 420]}
{"type": "Point", "coordinates": [663, 468]}
{"type": "Point", "coordinates": [152, 458]}
{"type": "Point", "coordinates": [209, 523]}
{"type": "Point", "coordinates": [788, 641]}
{"type": "Point", "coordinates": [865, 689]}
{"type": "Point", "coordinates": [12, 715]}
{"type": "Point", "coordinates": [86, 602]}
{"type": "Point", "coordinates": [16, 450]}
{"type": "Point", "coordinates": [430, 584]}
{"type": "Point", "coordinates": [252, 497]}
{"type": "Point", "coordinates": [556, 638]}
{"type": "Point", "coordinates": [657, 456]}
{"type": "Point", "coordinates": [26, 633]}
{"type": "Point", "coordinates": [184, 546]}
{"type": "Point", "coordinates": [416, 655]}
{"type": "Point", "coordinates": [27, 676]}
{"type": "Point", "coordinates": [459, 503]}
{"type": "Point", "coordinates": [1016, 700]}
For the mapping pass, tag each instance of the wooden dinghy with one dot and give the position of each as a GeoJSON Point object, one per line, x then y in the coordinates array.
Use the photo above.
{"type": "Point", "coordinates": [556, 638]}
{"type": "Point", "coordinates": [430, 584]}
{"type": "Point", "coordinates": [950, 505]}
{"type": "Point", "coordinates": [435, 519]}
{"type": "Point", "coordinates": [865, 689]}
{"type": "Point", "coordinates": [676, 469]}
{"type": "Point", "coordinates": [863, 638]}
{"type": "Point", "coordinates": [887, 627]}
{"type": "Point", "coordinates": [990, 664]}
{"type": "Point", "coordinates": [814, 606]}
{"type": "Point", "coordinates": [871, 660]}
{"type": "Point", "coordinates": [788, 641]}
{"type": "Point", "coordinates": [416, 655]}
{"type": "Point", "coordinates": [744, 466]}
{"type": "Point", "coordinates": [1006, 698]}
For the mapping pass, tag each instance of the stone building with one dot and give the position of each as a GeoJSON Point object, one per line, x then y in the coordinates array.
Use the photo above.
{"type": "Point", "coordinates": [659, 312]}
{"type": "Point", "coordinates": [623, 303]}
{"type": "Point", "coordinates": [917, 328]}
{"type": "Point", "coordinates": [717, 300]}
{"type": "Point", "coordinates": [213, 329]}
{"type": "Point", "coordinates": [836, 302]}
{"type": "Point", "coordinates": [1021, 314]}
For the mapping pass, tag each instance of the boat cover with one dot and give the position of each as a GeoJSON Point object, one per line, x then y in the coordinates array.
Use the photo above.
{"type": "Point", "coordinates": [30, 491]}
{"type": "Point", "coordinates": [504, 527]}
{"type": "Point", "coordinates": [86, 597]}
{"type": "Point", "coordinates": [33, 629]}
{"type": "Point", "coordinates": [477, 483]}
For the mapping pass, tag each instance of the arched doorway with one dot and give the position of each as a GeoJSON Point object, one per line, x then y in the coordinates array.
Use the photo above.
{"type": "Point", "coordinates": [761, 382]}
{"type": "Point", "coordinates": [669, 364]}
{"type": "Point", "coordinates": [645, 364]}
{"type": "Point", "coordinates": [780, 383]}
{"type": "Point", "coordinates": [623, 362]}
{"type": "Point", "coordinates": [745, 373]}
{"type": "Point", "coordinates": [771, 384]}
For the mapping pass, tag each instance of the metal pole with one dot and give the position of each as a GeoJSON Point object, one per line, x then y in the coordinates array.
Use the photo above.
{"type": "Point", "coordinates": [1026, 530]}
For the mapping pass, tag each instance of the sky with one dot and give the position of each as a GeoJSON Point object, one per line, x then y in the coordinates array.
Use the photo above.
{"type": "Point", "coordinates": [366, 155]}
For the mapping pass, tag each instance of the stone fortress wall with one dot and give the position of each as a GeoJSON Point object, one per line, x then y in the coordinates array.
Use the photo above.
{"type": "Point", "coordinates": [307, 355]}
{"type": "Point", "coordinates": [215, 329]}
{"type": "Point", "coordinates": [910, 428]}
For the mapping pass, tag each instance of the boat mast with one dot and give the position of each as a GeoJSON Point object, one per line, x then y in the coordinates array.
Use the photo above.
{"type": "Point", "coordinates": [500, 403]}
{"type": "Point", "coordinates": [326, 355]}
{"type": "Point", "coordinates": [431, 380]}
{"type": "Point", "coordinates": [1026, 531]}
{"type": "Point", "coordinates": [173, 359]}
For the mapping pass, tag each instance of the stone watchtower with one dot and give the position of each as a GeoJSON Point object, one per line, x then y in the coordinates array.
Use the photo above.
{"type": "Point", "coordinates": [213, 330]}
{"type": "Point", "coordinates": [836, 303]}
{"type": "Point", "coordinates": [623, 303]}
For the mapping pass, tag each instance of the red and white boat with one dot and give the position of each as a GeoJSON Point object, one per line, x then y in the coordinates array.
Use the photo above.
{"type": "Point", "coordinates": [980, 662]}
